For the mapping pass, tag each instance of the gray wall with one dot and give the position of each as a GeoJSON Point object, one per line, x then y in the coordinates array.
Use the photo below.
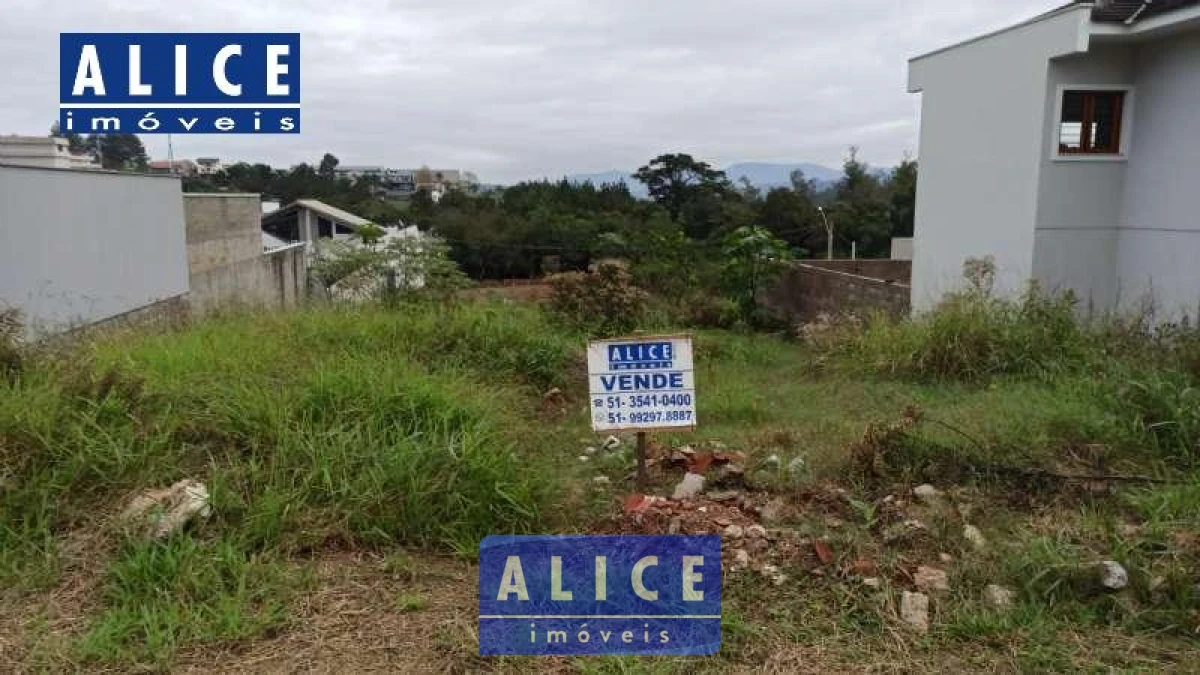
{"type": "Point", "coordinates": [78, 247]}
{"type": "Point", "coordinates": [272, 280]}
{"type": "Point", "coordinates": [222, 229]}
{"type": "Point", "coordinates": [225, 252]}
{"type": "Point", "coordinates": [1160, 236]}
{"type": "Point", "coordinates": [1080, 198]}
{"type": "Point", "coordinates": [983, 110]}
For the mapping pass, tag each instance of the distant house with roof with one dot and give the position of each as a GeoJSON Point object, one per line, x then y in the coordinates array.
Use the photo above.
{"type": "Point", "coordinates": [312, 221]}
{"type": "Point", "coordinates": [1066, 148]}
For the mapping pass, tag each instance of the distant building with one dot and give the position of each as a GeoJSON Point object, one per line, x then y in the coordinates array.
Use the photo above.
{"type": "Point", "coordinates": [208, 166]}
{"type": "Point", "coordinates": [184, 168]}
{"type": "Point", "coordinates": [47, 152]}
{"type": "Point", "coordinates": [405, 182]}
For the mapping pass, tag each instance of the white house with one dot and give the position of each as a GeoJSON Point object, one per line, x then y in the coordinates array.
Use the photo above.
{"type": "Point", "coordinates": [1068, 148]}
{"type": "Point", "coordinates": [47, 152]}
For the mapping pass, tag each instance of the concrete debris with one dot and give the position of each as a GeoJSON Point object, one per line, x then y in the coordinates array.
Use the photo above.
{"type": "Point", "coordinates": [757, 546]}
{"type": "Point", "coordinates": [590, 450]}
{"type": "Point", "coordinates": [675, 526]}
{"type": "Point", "coordinates": [734, 532]}
{"type": "Point", "coordinates": [741, 558]}
{"type": "Point", "coordinates": [166, 511]}
{"type": "Point", "coordinates": [926, 493]}
{"type": "Point", "coordinates": [584, 458]}
{"type": "Point", "coordinates": [930, 579]}
{"type": "Point", "coordinates": [998, 597]}
{"type": "Point", "coordinates": [975, 537]}
{"type": "Point", "coordinates": [1113, 576]}
{"type": "Point", "coordinates": [691, 485]}
{"type": "Point", "coordinates": [772, 512]}
{"type": "Point", "coordinates": [914, 610]}
{"type": "Point", "coordinates": [796, 466]}
{"type": "Point", "coordinates": [601, 480]}
{"type": "Point", "coordinates": [639, 503]}
{"type": "Point", "coordinates": [771, 463]}
{"type": "Point", "coordinates": [756, 532]}
{"type": "Point", "coordinates": [772, 572]}
{"type": "Point", "coordinates": [726, 496]}
{"type": "Point", "coordinates": [946, 558]}
{"type": "Point", "coordinates": [872, 582]}
{"type": "Point", "coordinates": [611, 444]}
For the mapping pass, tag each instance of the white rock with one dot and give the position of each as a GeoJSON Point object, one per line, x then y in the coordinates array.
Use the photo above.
{"type": "Point", "coordinates": [691, 485]}
{"type": "Point", "coordinates": [926, 493]}
{"type": "Point", "coordinates": [1113, 576]}
{"type": "Point", "coordinates": [741, 558]}
{"type": "Point", "coordinates": [756, 532]}
{"type": "Point", "coordinates": [771, 462]}
{"type": "Point", "coordinates": [611, 443]}
{"type": "Point", "coordinates": [584, 458]}
{"type": "Point", "coordinates": [166, 511]}
{"type": "Point", "coordinates": [975, 537]}
{"type": "Point", "coordinates": [590, 450]}
{"type": "Point", "coordinates": [914, 610]}
{"type": "Point", "coordinates": [998, 596]}
{"type": "Point", "coordinates": [931, 579]}
{"type": "Point", "coordinates": [946, 558]}
{"type": "Point", "coordinates": [601, 480]}
{"type": "Point", "coordinates": [796, 466]}
{"type": "Point", "coordinates": [772, 572]}
{"type": "Point", "coordinates": [675, 525]}
{"type": "Point", "coordinates": [872, 582]}
{"type": "Point", "coordinates": [734, 532]}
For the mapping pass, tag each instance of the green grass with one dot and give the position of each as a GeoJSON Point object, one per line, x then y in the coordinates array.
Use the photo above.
{"type": "Point", "coordinates": [420, 427]}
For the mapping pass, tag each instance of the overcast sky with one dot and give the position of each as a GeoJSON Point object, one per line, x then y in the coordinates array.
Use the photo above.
{"type": "Point", "coordinates": [516, 89]}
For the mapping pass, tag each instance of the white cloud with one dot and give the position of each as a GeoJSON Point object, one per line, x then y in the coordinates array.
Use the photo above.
{"type": "Point", "coordinates": [526, 88]}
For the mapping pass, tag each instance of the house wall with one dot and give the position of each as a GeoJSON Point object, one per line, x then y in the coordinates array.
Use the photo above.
{"type": "Point", "coordinates": [1080, 200]}
{"type": "Point", "coordinates": [1160, 220]}
{"type": "Point", "coordinates": [983, 111]}
{"type": "Point", "coordinates": [77, 247]}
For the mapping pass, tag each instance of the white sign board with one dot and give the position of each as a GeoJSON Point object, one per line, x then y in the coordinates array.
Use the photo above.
{"type": "Point", "coordinates": [642, 383]}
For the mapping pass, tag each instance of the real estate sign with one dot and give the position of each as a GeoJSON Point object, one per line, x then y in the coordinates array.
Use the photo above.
{"type": "Point", "coordinates": [642, 383]}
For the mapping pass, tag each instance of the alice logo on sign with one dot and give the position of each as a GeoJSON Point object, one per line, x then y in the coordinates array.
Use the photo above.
{"type": "Point", "coordinates": [600, 595]}
{"type": "Point", "coordinates": [179, 83]}
{"type": "Point", "coordinates": [640, 356]}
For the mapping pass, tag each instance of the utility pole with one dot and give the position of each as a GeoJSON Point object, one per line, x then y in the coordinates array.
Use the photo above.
{"type": "Point", "coordinates": [828, 232]}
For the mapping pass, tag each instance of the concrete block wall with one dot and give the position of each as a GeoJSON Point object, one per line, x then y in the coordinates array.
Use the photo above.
{"type": "Point", "coordinates": [806, 290]}
{"type": "Point", "coordinates": [274, 280]}
{"type": "Point", "coordinates": [227, 266]}
{"type": "Point", "coordinates": [895, 271]}
{"type": "Point", "coordinates": [222, 229]}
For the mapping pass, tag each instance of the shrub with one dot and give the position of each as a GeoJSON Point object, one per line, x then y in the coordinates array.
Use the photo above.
{"type": "Point", "coordinates": [10, 339]}
{"type": "Point", "coordinates": [605, 302]}
{"type": "Point", "coordinates": [970, 336]}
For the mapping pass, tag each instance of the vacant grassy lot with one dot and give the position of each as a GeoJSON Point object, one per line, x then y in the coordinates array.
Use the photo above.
{"type": "Point", "coordinates": [356, 457]}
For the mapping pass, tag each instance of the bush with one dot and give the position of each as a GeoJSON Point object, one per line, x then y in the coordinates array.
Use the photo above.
{"type": "Point", "coordinates": [605, 302]}
{"type": "Point", "coordinates": [10, 339]}
{"type": "Point", "coordinates": [970, 336]}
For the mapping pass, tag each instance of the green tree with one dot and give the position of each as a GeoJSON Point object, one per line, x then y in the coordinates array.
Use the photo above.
{"type": "Point", "coordinates": [677, 180]}
{"type": "Point", "coordinates": [75, 142]}
{"type": "Point", "coordinates": [751, 258]}
{"type": "Point", "coordinates": [118, 152]}
{"type": "Point", "coordinates": [326, 168]}
{"type": "Point", "coordinates": [903, 188]}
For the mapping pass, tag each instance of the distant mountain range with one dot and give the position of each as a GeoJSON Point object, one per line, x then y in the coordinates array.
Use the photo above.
{"type": "Point", "coordinates": [761, 175]}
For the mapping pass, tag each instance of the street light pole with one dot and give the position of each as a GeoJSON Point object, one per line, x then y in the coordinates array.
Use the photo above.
{"type": "Point", "coordinates": [828, 232]}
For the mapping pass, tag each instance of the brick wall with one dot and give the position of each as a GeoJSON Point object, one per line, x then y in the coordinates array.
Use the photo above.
{"type": "Point", "coordinates": [806, 290]}
{"type": "Point", "coordinates": [896, 271]}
